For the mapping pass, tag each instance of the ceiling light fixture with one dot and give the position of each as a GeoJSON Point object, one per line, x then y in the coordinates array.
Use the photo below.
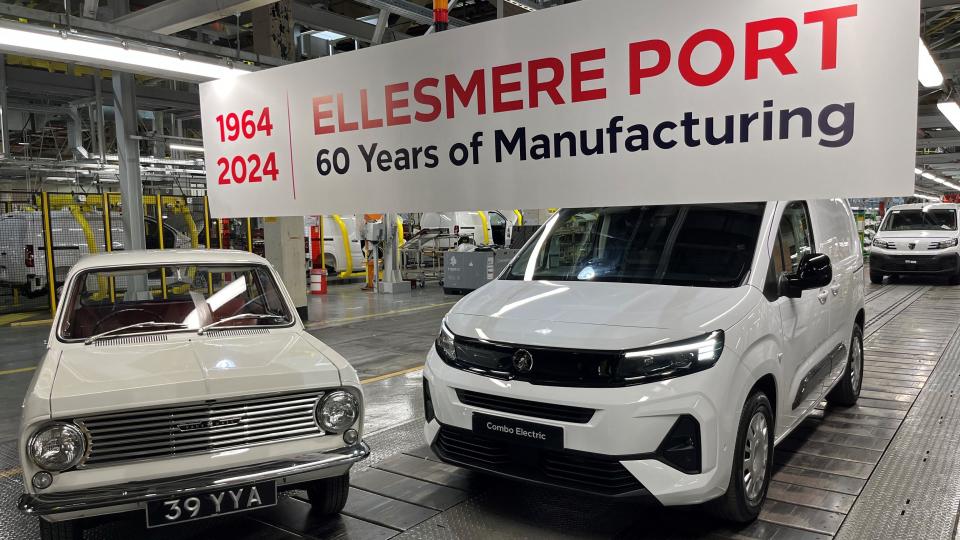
{"type": "Point", "coordinates": [928, 73]}
{"type": "Point", "coordinates": [926, 197]}
{"type": "Point", "coordinates": [951, 110]}
{"type": "Point", "coordinates": [111, 53]}
{"type": "Point", "coordinates": [186, 148]}
{"type": "Point", "coordinates": [521, 5]}
{"type": "Point", "coordinates": [937, 179]}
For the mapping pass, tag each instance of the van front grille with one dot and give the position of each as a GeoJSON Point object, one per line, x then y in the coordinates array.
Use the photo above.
{"type": "Point", "coordinates": [200, 427]}
{"type": "Point", "coordinates": [534, 409]}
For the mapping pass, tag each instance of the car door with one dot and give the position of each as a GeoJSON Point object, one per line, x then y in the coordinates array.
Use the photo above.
{"type": "Point", "coordinates": [804, 320]}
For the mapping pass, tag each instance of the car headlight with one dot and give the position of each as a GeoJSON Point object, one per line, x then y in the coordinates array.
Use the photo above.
{"type": "Point", "coordinates": [670, 360]}
{"type": "Point", "coordinates": [947, 243]}
{"type": "Point", "coordinates": [57, 446]}
{"type": "Point", "coordinates": [445, 345]}
{"type": "Point", "coordinates": [338, 411]}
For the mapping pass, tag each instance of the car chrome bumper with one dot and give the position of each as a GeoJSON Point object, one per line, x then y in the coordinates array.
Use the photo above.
{"type": "Point", "coordinates": [143, 491]}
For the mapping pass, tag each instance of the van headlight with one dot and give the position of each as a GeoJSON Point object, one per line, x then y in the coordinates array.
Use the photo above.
{"type": "Point", "coordinates": [671, 359]}
{"type": "Point", "coordinates": [338, 411]}
{"type": "Point", "coordinates": [880, 244]}
{"type": "Point", "coordinates": [445, 345]}
{"type": "Point", "coordinates": [946, 244]}
{"type": "Point", "coordinates": [57, 446]}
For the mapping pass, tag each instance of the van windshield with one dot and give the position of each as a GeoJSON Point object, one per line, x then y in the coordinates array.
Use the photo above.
{"type": "Point", "coordinates": [133, 300]}
{"type": "Point", "coordinates": [705, 245]}
{"type": "Point", "coordinates": [921, 220]}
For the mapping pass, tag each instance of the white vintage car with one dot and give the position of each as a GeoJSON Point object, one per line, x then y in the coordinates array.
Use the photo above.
{"type": "Point", "coordinates": [182, 384]}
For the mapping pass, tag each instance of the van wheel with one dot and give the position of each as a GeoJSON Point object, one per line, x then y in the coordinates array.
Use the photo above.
{"type": "Point", "coordinates": [60, 530]}
{"type": "Point", "coordinates": [846, 392]}
{"type": "Point", "coordinates": [876, 277]}
{"type": "Point", "coordinates": [752, 463]}
{"type": "Point", "coordinates": [328, 496]}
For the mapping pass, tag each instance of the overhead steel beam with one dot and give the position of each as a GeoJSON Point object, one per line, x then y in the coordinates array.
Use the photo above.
{"type": "Point", "coordinates": [38, 83]}
{"type": "Point", "coordinates": [933, 4]}
{"type": "Point", "coordinates": [938, 142]}
{"type": "Point", "coordinates": [927, 159]}
{"type": "Point", "coordinates": [409, 10]}
{"type": "Point", "coordinates": [322, 19]}
{"type": "Point", "coordinates": [108, 28]}
{"type": "Point", "coordinates": [382, 20]}
{"type": "Point", "coordinates": [172, 16]}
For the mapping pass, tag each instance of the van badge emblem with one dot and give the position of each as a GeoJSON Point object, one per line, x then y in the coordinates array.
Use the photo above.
{"type": "Point", "coordinates": [523, 361]}
{"type": "Point", "coordinates": [913, 245]}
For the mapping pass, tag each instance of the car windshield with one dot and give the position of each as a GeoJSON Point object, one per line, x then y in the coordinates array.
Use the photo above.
{"type": "Point", "coordinates": [126, 301]}
{"type": "Point", "coordinates": [705, 245]}
{"type": "Point", "coordinates": [921, 220]}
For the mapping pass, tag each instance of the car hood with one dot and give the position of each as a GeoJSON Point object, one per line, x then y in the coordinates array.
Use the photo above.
{"type": "Point", "coordinates": [108, 376]}
{"type": "Point", "coordinates": [884, 235]}
{"type": "Point", "coordinates": [596, 315]}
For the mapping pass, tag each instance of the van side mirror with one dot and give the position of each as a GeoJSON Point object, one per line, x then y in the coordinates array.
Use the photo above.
{"type": "Point", "coordinates": [814, 272]}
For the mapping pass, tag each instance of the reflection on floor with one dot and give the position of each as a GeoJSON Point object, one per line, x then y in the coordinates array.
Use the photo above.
{"type": "Point", "coordinates": [886, 468]}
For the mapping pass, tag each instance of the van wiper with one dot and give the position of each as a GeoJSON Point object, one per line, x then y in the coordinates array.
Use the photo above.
{"type": "Point", "coordinates": [258, 316]}
{"type": "Point", "coordinates": [147, 324]}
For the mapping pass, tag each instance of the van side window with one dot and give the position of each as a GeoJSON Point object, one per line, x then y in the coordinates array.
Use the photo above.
{"type": "Point", "coordinates": [794, 240]}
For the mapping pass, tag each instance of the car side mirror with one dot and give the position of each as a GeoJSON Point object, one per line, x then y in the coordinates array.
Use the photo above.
{"type": "Point", "coordinates": [814, 272]}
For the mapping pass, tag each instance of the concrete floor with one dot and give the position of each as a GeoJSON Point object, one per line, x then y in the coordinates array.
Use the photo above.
{"type": "Point", "coordinates": [849, 473]}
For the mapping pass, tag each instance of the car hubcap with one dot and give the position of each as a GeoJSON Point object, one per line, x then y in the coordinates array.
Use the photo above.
{"type": "Point", "coordinates": [755, 453]}
{"type": "Point", "coordinates": [856, 364]}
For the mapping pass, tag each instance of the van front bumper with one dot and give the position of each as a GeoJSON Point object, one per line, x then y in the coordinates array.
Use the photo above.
{"type": "Point", "coordinates": [619, 452]}
{"type": "Point", "coordinates": [888, 263]}
{"type": "Point", "coordinates": [132, 495]}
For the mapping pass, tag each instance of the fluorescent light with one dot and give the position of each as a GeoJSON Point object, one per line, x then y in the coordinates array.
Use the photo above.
{"type": "Point", "coordinates": [186, 148]}
{"type": "Point", "coordinates": [928, 72]}
{"type": "Point", "coordinates": [521, 5]}
{"type": "Point", "coordinates": [918, 171]}
{"type": "Point", "coordinates": [111, 54]}
{"type": "Point", "coordinates": [926, 197]}
{"type": "Point", "coordinates": [951, 110]}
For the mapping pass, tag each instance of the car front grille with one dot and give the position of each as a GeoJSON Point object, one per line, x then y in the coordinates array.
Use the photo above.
{"type": "Point", "coordinates": [597, 474]}
{"type": "Point", "coordinates": [200, 427]}
{"type": "Point", "coordinates": [550, 366]}
{"type": "Point", "coordinates": [535, 409]}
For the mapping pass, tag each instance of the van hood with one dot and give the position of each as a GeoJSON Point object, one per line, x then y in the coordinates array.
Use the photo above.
{"type": "Point", "coordinates": [106, 377]}
{"type": "Point", "coordinates": [934, 233]}
{"type": "Point", "coordinates": [596, 315]}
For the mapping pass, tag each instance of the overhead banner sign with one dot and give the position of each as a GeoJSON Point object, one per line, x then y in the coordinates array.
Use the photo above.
{"type": "Point", "coordinates": [600, 102]}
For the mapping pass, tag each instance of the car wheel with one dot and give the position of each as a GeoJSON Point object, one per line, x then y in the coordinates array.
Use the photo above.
{"type": "Point", "coordinates": [752, 463]}
{"type": "Point", "coordinates": [876, 277]}
{"type": "Point", "coordinates": [329, 495]}
{"type": "Point", "coordinates": [60, 530]}
{"type": "Point", "coordinates": [847, 391]}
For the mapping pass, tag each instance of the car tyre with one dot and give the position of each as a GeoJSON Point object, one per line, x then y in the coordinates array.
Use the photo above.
{"type": "Point", "coordinates": [60, 530]}
{"type": "Point", "coordinates": [846, 392]}
{"type": "Point", "coordinates": [876, 277]}
{"type": "Point", "coordinates": [329, 495]}
{"type": "Point", "coordinates": [752, 457]}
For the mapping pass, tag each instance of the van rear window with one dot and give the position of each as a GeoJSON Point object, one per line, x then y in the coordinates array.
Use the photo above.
{"type": "Point", "coordinates": [705, 245]}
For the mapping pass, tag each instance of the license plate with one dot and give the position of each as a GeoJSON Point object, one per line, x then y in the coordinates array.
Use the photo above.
{"type": "Point", "coordinates": [908, 261]}
{"type": "Point", "coordinates": [211, 504]}
{"type": "Point", "coordinates": [518, 431]}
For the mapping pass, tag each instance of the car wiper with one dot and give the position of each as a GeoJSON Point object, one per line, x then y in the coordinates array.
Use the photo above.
{"type": "Point", "coordinates": [147, 324]}
{"type": "Point", "coordinates": [239, 316]}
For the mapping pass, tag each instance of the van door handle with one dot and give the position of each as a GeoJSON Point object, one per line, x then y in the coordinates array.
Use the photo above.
{"type": "Point", "coordinates": [822, 296]}
{"type": "Point", "coordinates": [835, 289]}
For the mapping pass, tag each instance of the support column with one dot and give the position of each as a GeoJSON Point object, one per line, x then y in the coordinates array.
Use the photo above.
{"type": "Point", "coordinates": [282, 237]}
{"type": "Point", "coordinates": [128, 150]}
{"type": "Point", "coordinates": [4, 117]}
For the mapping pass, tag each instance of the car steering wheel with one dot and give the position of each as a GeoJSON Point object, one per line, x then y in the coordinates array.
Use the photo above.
{"type": "Point", "coordinates": [152, 317]}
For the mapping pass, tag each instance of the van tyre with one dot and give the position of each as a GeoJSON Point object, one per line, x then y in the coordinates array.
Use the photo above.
{"type": "Point", "coordinates": [752, 463]}
{"type": "Point", "coordinates": [876, 277]}
{"type": "Point", "coordinates": [60, 530]}
{"type": "Point", "coordinates": [329, 495]}
{"type": "Point", "coordinates": [846, 392]}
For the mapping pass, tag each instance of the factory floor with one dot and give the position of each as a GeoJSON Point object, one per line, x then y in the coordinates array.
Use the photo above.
{"type": "Point", "coordinates": [885, 468]}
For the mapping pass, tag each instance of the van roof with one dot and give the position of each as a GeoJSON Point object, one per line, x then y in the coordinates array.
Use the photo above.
{"type": "Point", "coordinates": [156, 257]}
{"type": "Point", "coordinates": [921, 206]}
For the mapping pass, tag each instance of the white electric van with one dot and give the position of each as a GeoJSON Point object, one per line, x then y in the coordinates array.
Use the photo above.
{"type": "Point", "coordinates": [917, 239]}
{"type": "Point", "coordinates": [23, 259]}
{"type": "Point", "coordinates": [653, 350]}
